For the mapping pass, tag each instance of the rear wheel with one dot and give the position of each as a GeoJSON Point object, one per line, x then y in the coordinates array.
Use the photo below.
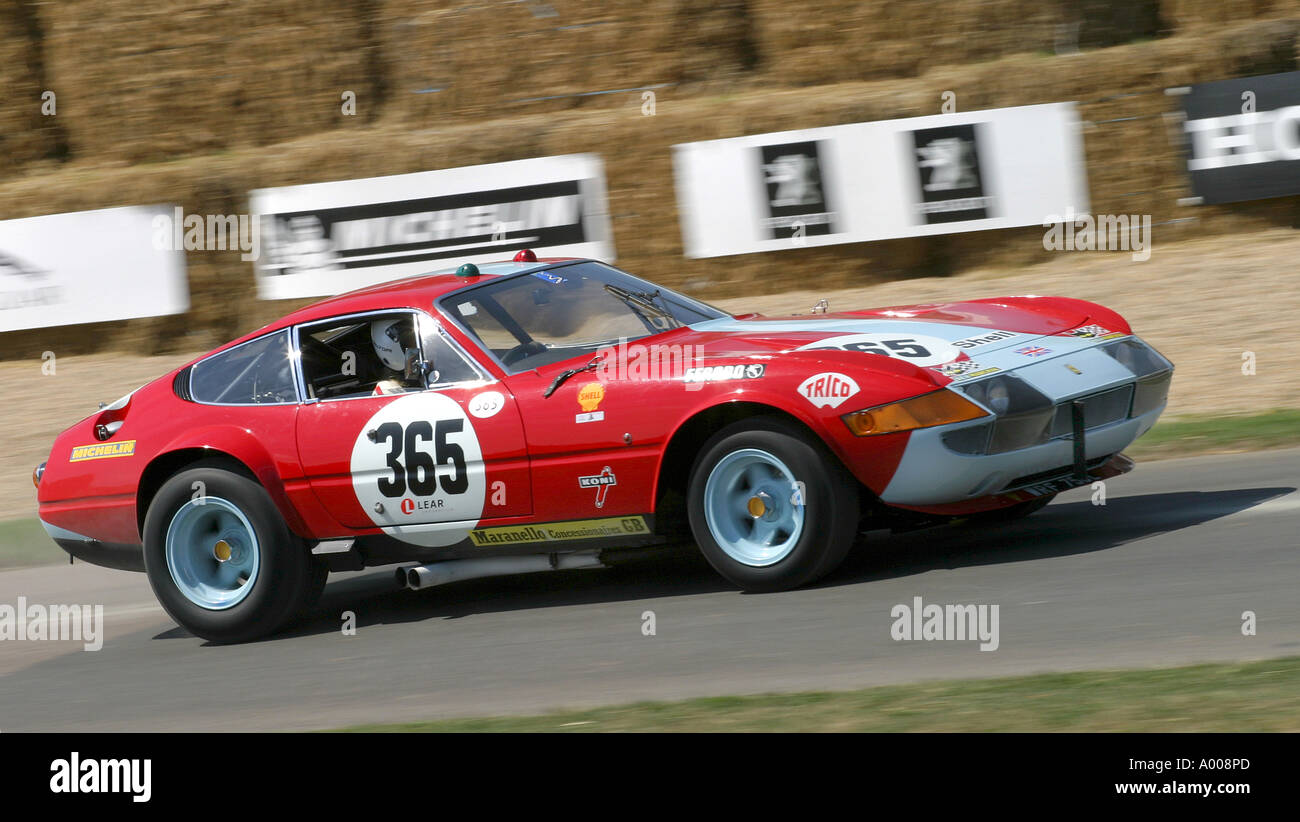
{"type": "Point", "coordinates": [771, 508]}
{"type": "Point", "coordinates": [221, 559]}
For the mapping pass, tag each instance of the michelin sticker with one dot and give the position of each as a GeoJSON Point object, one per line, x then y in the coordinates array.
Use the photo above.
{"type": "Point", "coordinates": [917, 349]}
{"type": "Point", "coordinates": [417, 470]}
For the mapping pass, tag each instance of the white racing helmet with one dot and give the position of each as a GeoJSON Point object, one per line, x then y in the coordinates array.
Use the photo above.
{"type": "Point", "coordinates": [386, 337]}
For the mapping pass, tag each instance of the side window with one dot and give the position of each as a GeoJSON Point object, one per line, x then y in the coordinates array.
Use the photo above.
{"type": "Point", "coordinates": [448, 365]}
{"type": "Point", "coordinates": [360, 356]}
{"type": "Point", "coordinates": [255, 373]}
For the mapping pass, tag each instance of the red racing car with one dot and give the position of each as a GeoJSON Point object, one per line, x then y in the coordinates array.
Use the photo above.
{"type": "Point", "coordinates": [531, 415]}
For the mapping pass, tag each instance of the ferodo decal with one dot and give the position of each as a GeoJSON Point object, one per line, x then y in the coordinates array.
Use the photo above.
{"type": "Point", "coordinates": [1095, 332]}
{"type": "Point", "coordinates": [589, 399]}
{"type": "Point", "coordinates": [487, 404]}
{"type": "Point", "coordinates": [717, 373]}
{"type": "Point", "coordinates": [417, 470]}
{"type": "Point", "coordinates": [560, 531]}
{"type": "Point", "coordinates": [917, 349]}
{"type": "Point", "coordinates": [102, 450]}
{"type": "Point", "coordinates": [828, 389]}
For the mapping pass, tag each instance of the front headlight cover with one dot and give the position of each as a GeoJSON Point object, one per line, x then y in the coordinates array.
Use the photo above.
{"type": "Point", "coordinates": [925, 411]}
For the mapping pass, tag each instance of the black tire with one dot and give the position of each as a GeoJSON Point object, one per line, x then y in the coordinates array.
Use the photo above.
{"type": "Point", "coordinates": [285, 580]}
{"type": "Point", "coordinates": [1012, 512]}
{"type": "Point", "coordinates": [830, 499]}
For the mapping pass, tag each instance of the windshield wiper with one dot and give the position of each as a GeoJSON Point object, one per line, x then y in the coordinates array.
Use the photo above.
{"type": "Point", "coordinates": [642, 299]}
{"type": "Point", "coordinates": [572, 372]}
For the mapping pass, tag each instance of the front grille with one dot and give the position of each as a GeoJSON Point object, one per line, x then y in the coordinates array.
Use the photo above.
{"type": "Point", "coordinates": [1098, 410]}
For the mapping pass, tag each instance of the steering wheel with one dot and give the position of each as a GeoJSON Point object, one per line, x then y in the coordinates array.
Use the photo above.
{"type": "Point", "coordinates": [522, 351]}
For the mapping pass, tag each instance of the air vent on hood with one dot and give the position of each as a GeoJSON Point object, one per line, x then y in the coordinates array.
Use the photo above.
{"type": "Point", "coordinates": [181, 385]}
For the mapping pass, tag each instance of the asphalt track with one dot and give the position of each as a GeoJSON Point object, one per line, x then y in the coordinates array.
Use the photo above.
{"type": "Point", "coordinates": [1160, 575]}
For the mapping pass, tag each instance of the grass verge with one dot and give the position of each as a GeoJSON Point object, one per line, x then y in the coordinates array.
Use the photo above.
{"type": "Point", "coordinates": [24, 543]}
{"type": "Point", "coordinates": [1255, 696]}
{"type": "Point", "coordinates": [1186, 436]}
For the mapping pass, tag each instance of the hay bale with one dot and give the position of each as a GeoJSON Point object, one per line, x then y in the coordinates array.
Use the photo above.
{"type": "Point", "coordinates": [152, 82]}
{"type": "Point", "coordinates": [26, 135]}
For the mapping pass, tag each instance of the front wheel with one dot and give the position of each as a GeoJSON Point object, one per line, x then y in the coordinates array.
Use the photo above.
{"type": "Point", "coordinates": [771, 508]}
{"type": "Point", "coordinates": [221, 559]}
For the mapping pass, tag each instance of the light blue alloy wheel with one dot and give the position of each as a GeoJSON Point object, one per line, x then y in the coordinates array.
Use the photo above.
{"type": "Point", "coordinates": [753, 507]}
{"type": "Point", "coordinates": [212, 553]}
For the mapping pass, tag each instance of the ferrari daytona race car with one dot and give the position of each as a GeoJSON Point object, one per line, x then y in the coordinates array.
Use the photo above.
{"type": "Point", "coordinates": [533, 415]}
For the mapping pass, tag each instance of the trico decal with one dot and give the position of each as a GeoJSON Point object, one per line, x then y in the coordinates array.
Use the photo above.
{"type": "Point", "coordinates": [601, 482]}
{"type": "Point", "coordinates": [102, 450]}
{"type": "Point", "coordinates": [560, 531]}
{"type": "Point", "coordinates": [589, 398]}
{"type": "Point", "coordinates": [917, 349]}
{"type": "Point", "coordinates": [417, 470]}
{"type": "Point", "coordinates": [975, 342]}
{"type": "Point", "coordinates": [1089, 331]}
{"type": "Point", "coordinates": [487, 404]}
{"type": "Point", "coordinates": [718, 373]}
{"type": "Point", "coordinates": [828, 389]}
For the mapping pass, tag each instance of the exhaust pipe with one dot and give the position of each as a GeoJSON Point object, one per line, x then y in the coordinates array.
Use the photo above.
{"type": "Point", "coordinates": [453, 570]}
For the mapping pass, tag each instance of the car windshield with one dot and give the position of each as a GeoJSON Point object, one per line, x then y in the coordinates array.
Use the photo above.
{"type": "Point", "coordinates": [558, 313]}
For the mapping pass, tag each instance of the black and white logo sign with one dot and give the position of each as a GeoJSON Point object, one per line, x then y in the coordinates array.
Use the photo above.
{"type": "Point", "coordinates": [796, 190]}
{"type": "Point", "coordinates": [432, 228]}
{"type": "Point", "coordinates": [1243, 138]}
{"type": "Point", "coordinates": [948, 168]}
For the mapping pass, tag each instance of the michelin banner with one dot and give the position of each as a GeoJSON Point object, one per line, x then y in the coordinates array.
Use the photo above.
{"type": "Point", "coordinates": [327, 238]}
{"type": "Point", "coordinates": [86, 267]}
{"type": "Point", "coordinates": [873, 181]}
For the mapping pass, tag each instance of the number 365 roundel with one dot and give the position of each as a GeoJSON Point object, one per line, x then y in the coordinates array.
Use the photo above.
{"type": "Point", "coordinates": [417, 470]}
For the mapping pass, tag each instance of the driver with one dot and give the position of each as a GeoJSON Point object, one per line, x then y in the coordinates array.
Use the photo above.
{"type": "Point", "coordinates": [398, 359]}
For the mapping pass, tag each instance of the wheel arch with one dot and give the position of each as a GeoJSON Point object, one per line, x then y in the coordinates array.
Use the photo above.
{"type": "Point", "coordinates": [687, 440]}
{"type": "Point", "coordinates": [174, 460]}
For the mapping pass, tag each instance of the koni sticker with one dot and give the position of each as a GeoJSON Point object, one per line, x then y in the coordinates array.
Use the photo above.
{"type": "Point", "coordinates": [601, 482]}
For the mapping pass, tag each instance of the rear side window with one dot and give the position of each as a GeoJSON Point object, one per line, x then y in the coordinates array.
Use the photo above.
{"type": "Point", "coordinates": [259, 372]}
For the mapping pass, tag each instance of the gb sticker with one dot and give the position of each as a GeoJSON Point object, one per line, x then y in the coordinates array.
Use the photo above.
{"type": "Point", "coordinates": [417, 470]}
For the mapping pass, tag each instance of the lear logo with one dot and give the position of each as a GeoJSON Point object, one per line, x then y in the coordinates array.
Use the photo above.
{"type": "Point", "coordinates": [102, 450]}
{"type": "Point", "coordinates": [951, 622]}
{"type": "Point", "coordinates": [77, 775]}
{"type": "Point", "coordinates": [828, 389]}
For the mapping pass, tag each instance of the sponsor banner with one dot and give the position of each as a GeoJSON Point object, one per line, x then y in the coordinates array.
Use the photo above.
{"type": "Point", "coordinates": [1243, 138]}
{"type": "Point", "coordinates": [87, 267]}
{"type": "Point", "coordinates": [560, 531]}
{"type": "Point", "coordinates": [872, 181]}
{"type": "Point", "coordinates": [327, 238]}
